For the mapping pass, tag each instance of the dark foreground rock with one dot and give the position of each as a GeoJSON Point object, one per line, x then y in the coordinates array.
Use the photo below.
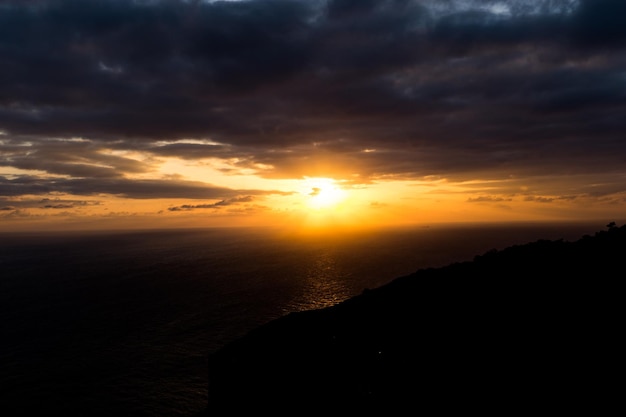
{"type": "Point", "coordinates": [533, 328]}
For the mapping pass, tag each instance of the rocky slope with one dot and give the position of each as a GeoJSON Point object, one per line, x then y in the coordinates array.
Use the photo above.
{"type": "Point", "coordinates": [531, 328]}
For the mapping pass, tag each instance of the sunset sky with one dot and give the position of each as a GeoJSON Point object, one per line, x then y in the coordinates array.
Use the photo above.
{"type": "Point", "coordinates": [123, 114]}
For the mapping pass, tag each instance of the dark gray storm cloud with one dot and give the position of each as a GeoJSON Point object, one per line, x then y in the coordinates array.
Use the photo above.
{"type": "Point", "coordinates": [72, 157]}
{"type": "Point", "coordinates": [141, 189]}
{"type": "Point", "coordinates": [459, 89]}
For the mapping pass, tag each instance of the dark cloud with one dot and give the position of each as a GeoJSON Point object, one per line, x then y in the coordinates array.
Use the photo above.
{"type": "Point", "coordinates": [58, 203]}
{"type": "Point", "coordinates": [22, 202]}
{"type": "Point", "coordinates": [601, 23]}
{"type": "Point", "coordinates": [192, 150]}
{"type": "Point", "coordinates": [488, 199]}
{"type": "Point", "coordinates": [458, 89]}
{"type": "Point", "coordinates": [141, 189]}
{"type": "Point", "coordinates": [539, 199]}
{"type": "Point", "coordinates": [221, 203]}
{"type": "Point", "coordinates": [73, 157]}
{"type": "Point", "coordinates": [58, 206]}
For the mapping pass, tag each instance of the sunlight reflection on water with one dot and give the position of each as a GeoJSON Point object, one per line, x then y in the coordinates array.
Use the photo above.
{"type": "Point", "coordinates": [325, 284]}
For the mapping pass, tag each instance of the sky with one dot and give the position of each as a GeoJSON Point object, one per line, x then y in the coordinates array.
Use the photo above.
{"type": "Point", "coordinates": [311, 114]}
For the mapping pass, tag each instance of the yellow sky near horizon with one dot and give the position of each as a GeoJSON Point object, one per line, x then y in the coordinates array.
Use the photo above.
{"type": "Point", "coordinates": [306, 204]}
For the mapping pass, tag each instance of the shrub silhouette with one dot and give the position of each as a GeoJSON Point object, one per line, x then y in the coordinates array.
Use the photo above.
{"type": "Point", "coordinates": [529, 326]}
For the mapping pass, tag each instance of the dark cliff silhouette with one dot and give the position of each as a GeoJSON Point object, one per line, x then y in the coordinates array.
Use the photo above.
{"type": "Point", "coordinates": [530, 328]}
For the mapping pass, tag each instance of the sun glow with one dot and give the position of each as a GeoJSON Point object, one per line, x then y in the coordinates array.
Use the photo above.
{"type": "Point", "coordinates": [323, 193]}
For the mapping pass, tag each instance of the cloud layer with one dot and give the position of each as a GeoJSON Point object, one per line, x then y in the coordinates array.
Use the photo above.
{"type": "Point", "coordinates": [356, 89]}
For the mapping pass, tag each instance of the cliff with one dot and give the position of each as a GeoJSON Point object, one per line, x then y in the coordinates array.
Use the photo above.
{"type": "Point", "coordinates": [530, 328]}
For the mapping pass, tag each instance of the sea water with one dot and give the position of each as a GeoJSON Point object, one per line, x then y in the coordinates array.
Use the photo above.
{"type": "Point", "coordinates": [122, 323]}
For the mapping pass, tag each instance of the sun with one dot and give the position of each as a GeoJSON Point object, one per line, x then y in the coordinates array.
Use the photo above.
{"type": "Point", "coordinates": [327, 206]}
{"type": "Point", "coordinates": [323, 193]}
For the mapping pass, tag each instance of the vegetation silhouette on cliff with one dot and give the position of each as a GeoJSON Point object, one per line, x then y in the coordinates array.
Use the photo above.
{"type": "Point", "coordinates": [530, 328]}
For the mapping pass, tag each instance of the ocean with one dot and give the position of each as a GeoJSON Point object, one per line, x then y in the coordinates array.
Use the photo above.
{"type": "Point", "coordinates": [121, 323]}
